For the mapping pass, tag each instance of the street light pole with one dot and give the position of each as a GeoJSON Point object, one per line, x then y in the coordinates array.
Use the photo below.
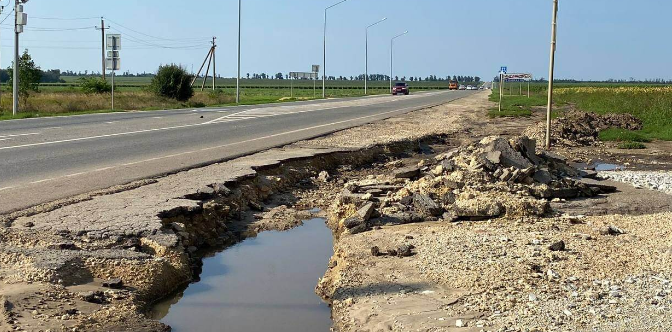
{"type": "Point", "coordinates": [324, 51]}
{"type": "Point", "coordinates": [392, 56]}
{"type": "Point", "coordinates": [551, 70]}
{"type": "Point", "coordinates": [366, 70]}
{"type": "Point", "coordinates": [238, 77]}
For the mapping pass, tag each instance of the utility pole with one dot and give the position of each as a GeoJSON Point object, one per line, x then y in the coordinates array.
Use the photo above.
{"type": "Point", "coordinates": [20, 19]}
{"type": "Point", "coordinates": [240, 10]}
{"type": "Point", "coordinates": [2, 8]}
{"type": "Point", "coordinates": [102, 41]}
{"type": "Point", "coordinates": [551, 73]}
{"type": "Point", "coordinates": [214, 71]}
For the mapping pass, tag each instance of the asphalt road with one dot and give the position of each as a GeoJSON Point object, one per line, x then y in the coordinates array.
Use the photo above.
{"type": "Point", "coordinates": [47, 159]}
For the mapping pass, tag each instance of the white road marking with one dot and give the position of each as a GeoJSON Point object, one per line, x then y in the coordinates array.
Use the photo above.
{"type": "Point", "coordinates": [157, 117]}
{"type": "Point", "coordinates": [111, 122]}
{"type": "Point", "coordinates": [4, 139]}
{"type": "Point", "coordinates": [18, 135]}
{"type": "Point", "coordinates": [225, 145]}
{"type": "Point", "coordinates": [6, 188]}
{"type": "Point", "coordinates": [80, 139]}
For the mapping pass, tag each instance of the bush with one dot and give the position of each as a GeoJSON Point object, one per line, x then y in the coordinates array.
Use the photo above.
{"type": "Point", "coordinates": [95, 85]}
{"type": "Point", "coordinates": [632, 146]}
{"type": "Point", "coordinates": [172, 81]}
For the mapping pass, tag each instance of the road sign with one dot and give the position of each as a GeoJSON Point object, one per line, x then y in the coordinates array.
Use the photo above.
{"type": "Point", "coordinates": [114, 42]}
{"type": "Point", "coordinates": [503, 69]}
{"type": "Point", "coordinates": [113, 63]}
{"type": "Point", "coordinates": [299, 75]}
{"type": "Point", "coordinates": [517, 77]}
{"type": "Point", "coordinates": [113, 54]}
{"type": "Point", "coordinates": [316, 68]}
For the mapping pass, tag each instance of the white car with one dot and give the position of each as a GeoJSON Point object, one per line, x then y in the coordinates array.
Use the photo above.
{"type": "Point", "coordinates": [469, 87]}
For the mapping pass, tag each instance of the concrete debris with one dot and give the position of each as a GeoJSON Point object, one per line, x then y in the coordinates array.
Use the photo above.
{"type": "Point", "coordinates": [611, 230]}
{"type": "Point", "coordinates": [557, 246]}
{"type": "Point", "coordinates": [113, 283]}
{"type": "Point", "coordinates": [576, 128]}
{"type": "Point", "coordinates": [324, 176]}
{"type": "Point", "coordinates": [489, 179]}
{"type": "Point", "coordinates": [407, 173]}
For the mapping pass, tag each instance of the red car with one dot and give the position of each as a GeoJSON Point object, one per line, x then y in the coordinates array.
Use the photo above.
{"type": "Point", "coordinates": [400, 88]}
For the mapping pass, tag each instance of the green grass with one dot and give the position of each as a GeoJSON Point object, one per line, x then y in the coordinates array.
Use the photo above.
{"type": "Point", "coordinates": [651, 103]}
{"type": "Point", "coordinates": [632, 146]}
{"type": "Point", "coordinates": [515, 106]}
{"type": "Point", "coordinates": [622, 135]}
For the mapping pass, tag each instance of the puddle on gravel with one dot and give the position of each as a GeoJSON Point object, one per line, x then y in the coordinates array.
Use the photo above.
{"type": "Point", "coordinates": [265, 283]}
{"type": "Point", "coordinates": [609, 167]}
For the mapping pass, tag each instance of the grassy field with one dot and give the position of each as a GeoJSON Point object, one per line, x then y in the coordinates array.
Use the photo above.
{"type": "Point", "coordinates": [650, 103]}
{"type": "Point", "coordinates": [68, 99]}
{"type": "Point", "coordinates": [59, 100]}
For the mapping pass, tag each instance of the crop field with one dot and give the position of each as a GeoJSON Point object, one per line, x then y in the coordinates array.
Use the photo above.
{"type": "Point", "coordinates": [650, 103]}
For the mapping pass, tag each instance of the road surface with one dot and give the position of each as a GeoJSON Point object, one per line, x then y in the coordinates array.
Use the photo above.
{"type": "Point", "coordinates": [47, 159]}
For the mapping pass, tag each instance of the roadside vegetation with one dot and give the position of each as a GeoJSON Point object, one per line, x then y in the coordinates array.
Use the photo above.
{"type": "Point", "coordinates": [650, 103]}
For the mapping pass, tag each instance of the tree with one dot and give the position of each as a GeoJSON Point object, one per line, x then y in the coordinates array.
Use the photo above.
{"type": "Point", "coordinates": [279, 76]}
{"type": "Point", "coordinates": [29, 76]}
{"type": "Point", "coordinates": [172, 81]}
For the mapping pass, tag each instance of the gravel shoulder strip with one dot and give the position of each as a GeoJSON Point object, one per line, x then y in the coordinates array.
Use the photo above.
{"type": "Point", "coordinates": [661, 181]}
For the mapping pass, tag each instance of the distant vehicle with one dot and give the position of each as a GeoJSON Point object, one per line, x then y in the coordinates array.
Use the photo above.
{"type": "Point", "coordinates": [481, 87]}
{"type": "Point", "coordinates": [462, 87]}
{"type": "Point", "coordinates": [453, 85]}
{"type": "Point", "coordinates": [400, 88]}
{"type": "Point", "coordinates": [469, 87]}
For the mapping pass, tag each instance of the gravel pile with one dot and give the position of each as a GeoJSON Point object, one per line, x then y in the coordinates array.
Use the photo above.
{"type": "Point", "coordinates": [661, 181]}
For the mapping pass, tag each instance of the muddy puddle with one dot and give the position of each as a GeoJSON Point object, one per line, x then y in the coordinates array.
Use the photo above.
{"type": "Point", "coordinates": [261, 284]}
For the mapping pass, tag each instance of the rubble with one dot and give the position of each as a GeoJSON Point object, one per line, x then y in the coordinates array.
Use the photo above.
{"type": "Point", "coordinates": [489, 179]}
{"type": "Point", "coordinates": [576, 128]}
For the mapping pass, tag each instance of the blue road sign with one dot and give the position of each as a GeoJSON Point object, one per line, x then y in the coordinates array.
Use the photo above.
{"type": "Point", "coordinates": [504, 69]}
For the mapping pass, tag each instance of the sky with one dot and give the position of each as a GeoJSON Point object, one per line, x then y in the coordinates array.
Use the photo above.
{"type": "Point", "coordinates": [597, 39]}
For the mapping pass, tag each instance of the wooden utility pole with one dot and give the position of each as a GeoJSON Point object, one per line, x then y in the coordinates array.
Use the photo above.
{"type": "Point", "coordinates": [210, 58]}
{"type": "Point", "coordinates": [102, 40]}
{"type": "Point", "coordinates": [551, 69]}
{"type": "Point", "coordinates": [214, 72]}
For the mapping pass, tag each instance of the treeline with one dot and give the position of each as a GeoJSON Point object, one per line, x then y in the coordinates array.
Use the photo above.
{"type": "Point", "coordinates": [376, 77]}
{"type": "Point", "coordinates": [608, 81]}
{"type": "Point", "coordinates": [46, 76]}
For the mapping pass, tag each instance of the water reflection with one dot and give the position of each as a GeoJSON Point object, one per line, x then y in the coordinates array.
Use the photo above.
{"type": "Point", "coordinates": [262, 284]}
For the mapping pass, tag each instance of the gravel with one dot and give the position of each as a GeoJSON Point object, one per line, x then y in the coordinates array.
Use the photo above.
{"type": "Point", "coordinates": [661, 181]}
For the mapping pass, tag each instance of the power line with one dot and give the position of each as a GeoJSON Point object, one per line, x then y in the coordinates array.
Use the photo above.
{"type": "Point", "coordinates": [153, 37]}
{"type": "Point", "coordinates": [8, 15]}
{"type": "Point", "coordinates": [65, 19]}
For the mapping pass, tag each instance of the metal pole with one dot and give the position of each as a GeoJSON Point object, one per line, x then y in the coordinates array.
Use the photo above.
{"type": "Point", "coordinates": [366, 74]}
{"type": "Point", "coordinates": [366, 67]}
{"type": "Point", "coordinates": [520, 88]}
{"type": "Point", "coordinates": [528, 89]}
{"type": "Point", "coordinates": [324, 50]}
{"type": "Point", "coordinates": [238, 78]}
{"type": "Point", "coordinates": [391, 62]}
{"type": "Point", "coordinates": [15, 80]}
{"type": "Point", "coordinates": [324, 59]}
{"type": "Point", "coordinates": [551, 69]}
{"type": "Point", "coordinates": [113, 85]}
{"type": "Point", "coordinates": [102, 42]}
{"type": "Point", "coordinates": [501, 84]}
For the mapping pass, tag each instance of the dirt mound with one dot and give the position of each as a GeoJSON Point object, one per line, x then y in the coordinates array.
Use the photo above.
{"type": "Point", "coordinates": [492, 178]}
{"type": "Point", "coordinates": [578, 128]}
